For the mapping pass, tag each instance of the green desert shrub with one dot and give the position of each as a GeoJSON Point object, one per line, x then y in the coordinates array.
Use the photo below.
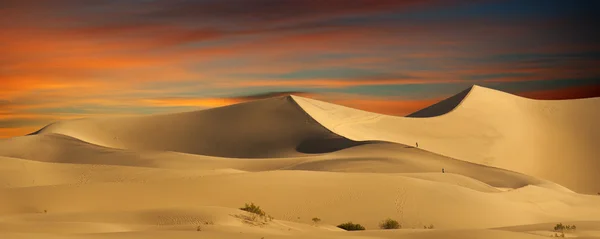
{"type": "Point", "coordinates": [349, 226]}
{"type": "Point", "coordinates": [560, 227]}
{"type": "Point", "coordinates": [389, 224]}
{"type": "Point", "coordinates": [257, 212]}
{"type": "Point", "coordinates": [253, 209]}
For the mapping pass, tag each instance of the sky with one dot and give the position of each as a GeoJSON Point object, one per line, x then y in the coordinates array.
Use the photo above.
{"type": "Point", "coordinates": [66, 59]}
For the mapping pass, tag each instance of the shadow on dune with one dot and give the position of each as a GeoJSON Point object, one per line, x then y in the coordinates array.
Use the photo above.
{"type": "Point", "coordinates": [443, 107]}
{"type": "Point", "coordinates": [329, 145]}
{"type": "Point", "coordinates": [39, 130]}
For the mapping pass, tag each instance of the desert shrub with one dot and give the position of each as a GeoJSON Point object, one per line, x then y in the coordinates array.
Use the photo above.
{"type": "Point", "coordinates": [316, 220]}
{"type": "Point", "coordinates": [349, 226]}
{"type": "Point", "coordinates": [253, 209]}
{"type": "Point", "coordinates": [389, 224]}
{"type": "Point", "coordinates": [560, 227]}
{"type": "Point", "coordinates": [428, 227]}
{"type": "Point", "coordinates": [257, 213]}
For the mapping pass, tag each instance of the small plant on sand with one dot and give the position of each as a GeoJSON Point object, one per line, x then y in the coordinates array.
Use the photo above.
{"type": "Point", "coordinates": [257, 212]}
{"type": "Point", "coordinates": [253, 209]}
{"type": "Point", "coordinates": [560, 227]}
{"type": "Point", "coordinates": [349, 226]}
{"type": "Point", "coordinates": [316, 220]}
{"type": "Point", "coordinates": [389, 224]}
{"type": "Point", "coordinates": [428, 227]}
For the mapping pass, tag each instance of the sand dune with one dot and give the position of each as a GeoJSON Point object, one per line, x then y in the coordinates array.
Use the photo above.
{"type": "Point", "coordinates": [555, 140]}
{"type": "Point", "coordinates": [166, 176]}
{"type": "Point", "coordinates": [273, 127]}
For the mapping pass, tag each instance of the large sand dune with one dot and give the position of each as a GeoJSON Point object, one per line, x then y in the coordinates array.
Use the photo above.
{"type": "Point", "coordinates": [556, 140]}
{"type": "Point", "coordinates": [514, 167]}
{"type": "Point", "coordinates": [273, 127]}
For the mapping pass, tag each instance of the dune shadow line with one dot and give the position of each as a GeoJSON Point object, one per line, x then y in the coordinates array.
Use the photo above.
{"type": "Point", "coordinates": [329, 145]}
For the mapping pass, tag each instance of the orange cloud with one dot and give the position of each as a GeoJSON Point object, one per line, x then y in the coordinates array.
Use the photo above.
{"type": "Point", "coordinates": [13, 132]}
{"type": "Point", "coordinates": [199, 102]}
{"type": "Point", "coordinates": [386, 106]}
{"type": "Point", "coordinates": [337, 83]}
{"type": "Point", "coordinates": [218, 102]}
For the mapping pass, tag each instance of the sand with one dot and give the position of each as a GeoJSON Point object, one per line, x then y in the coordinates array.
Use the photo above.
{"type": "Point", "coordinates": [513, 168]}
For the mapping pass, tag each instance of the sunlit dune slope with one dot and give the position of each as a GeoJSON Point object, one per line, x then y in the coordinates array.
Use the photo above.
{"type": "Point", "coordinates": [274, 127]}
{"type": "Point", "coordinates": [52, 159]}
{"type": "Point", "coordinates": [555, 140]}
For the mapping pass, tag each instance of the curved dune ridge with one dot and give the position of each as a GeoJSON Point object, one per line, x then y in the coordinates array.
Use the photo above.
{"type": "Point", "coordinates": [513, 168]}
{"type": "Point", "coordinates": [274, 127]}
{"type": "Point", "coordinates": [555, 139]}
{"type": "Point", "coordinates": [442, 107]}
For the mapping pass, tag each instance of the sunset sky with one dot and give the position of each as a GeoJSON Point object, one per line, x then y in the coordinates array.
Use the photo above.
{"type": "Point", "coordinates": [64, 59]}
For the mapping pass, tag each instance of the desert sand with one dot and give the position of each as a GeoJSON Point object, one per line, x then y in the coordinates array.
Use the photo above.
{"type": "Point", "coordinates": [513, 168]}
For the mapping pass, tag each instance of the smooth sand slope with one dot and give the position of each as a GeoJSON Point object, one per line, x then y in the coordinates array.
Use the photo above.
{"type": "Point", "coordinates": [555, 140]}
{"type": "Point", "coordinates": [163, 176]}
{"type": "Point", "coordinates": [273, 127]}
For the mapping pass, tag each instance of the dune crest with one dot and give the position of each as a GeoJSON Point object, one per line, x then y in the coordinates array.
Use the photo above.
{"type": "Point", "coordinates": [273, 127]}
{"type": "Point", "coordinates": [444, 106]}
{"type": "Point", "coordinates": [551, 139]}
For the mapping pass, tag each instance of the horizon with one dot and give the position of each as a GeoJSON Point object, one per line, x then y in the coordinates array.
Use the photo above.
{"type": "Point", "coordinates": [65, 59]}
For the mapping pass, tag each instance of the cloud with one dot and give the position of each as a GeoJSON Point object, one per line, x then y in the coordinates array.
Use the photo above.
{"type": "Point", "coordinates": [276, 12]}
{"type": "Point", "coordinates": [188, 101]}
{"type": "Point", "coordinates": [22, 122]}
{"type": "Point", "coordinates": [341, 83]}
{"type": "Point", "coordinates": [266, 95]}
{"type": "Point", "coordinates": [211, 102]}
{"type": "Point", "coordinates": [17, 131]}
{"type": "Point", "coordinates": [398, 107]}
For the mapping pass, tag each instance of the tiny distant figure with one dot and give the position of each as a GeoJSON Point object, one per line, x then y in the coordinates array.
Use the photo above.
{"type": "Point", "coordinates": [443, 170]}
{"type": "Point", "coordinates": [417, 144]}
